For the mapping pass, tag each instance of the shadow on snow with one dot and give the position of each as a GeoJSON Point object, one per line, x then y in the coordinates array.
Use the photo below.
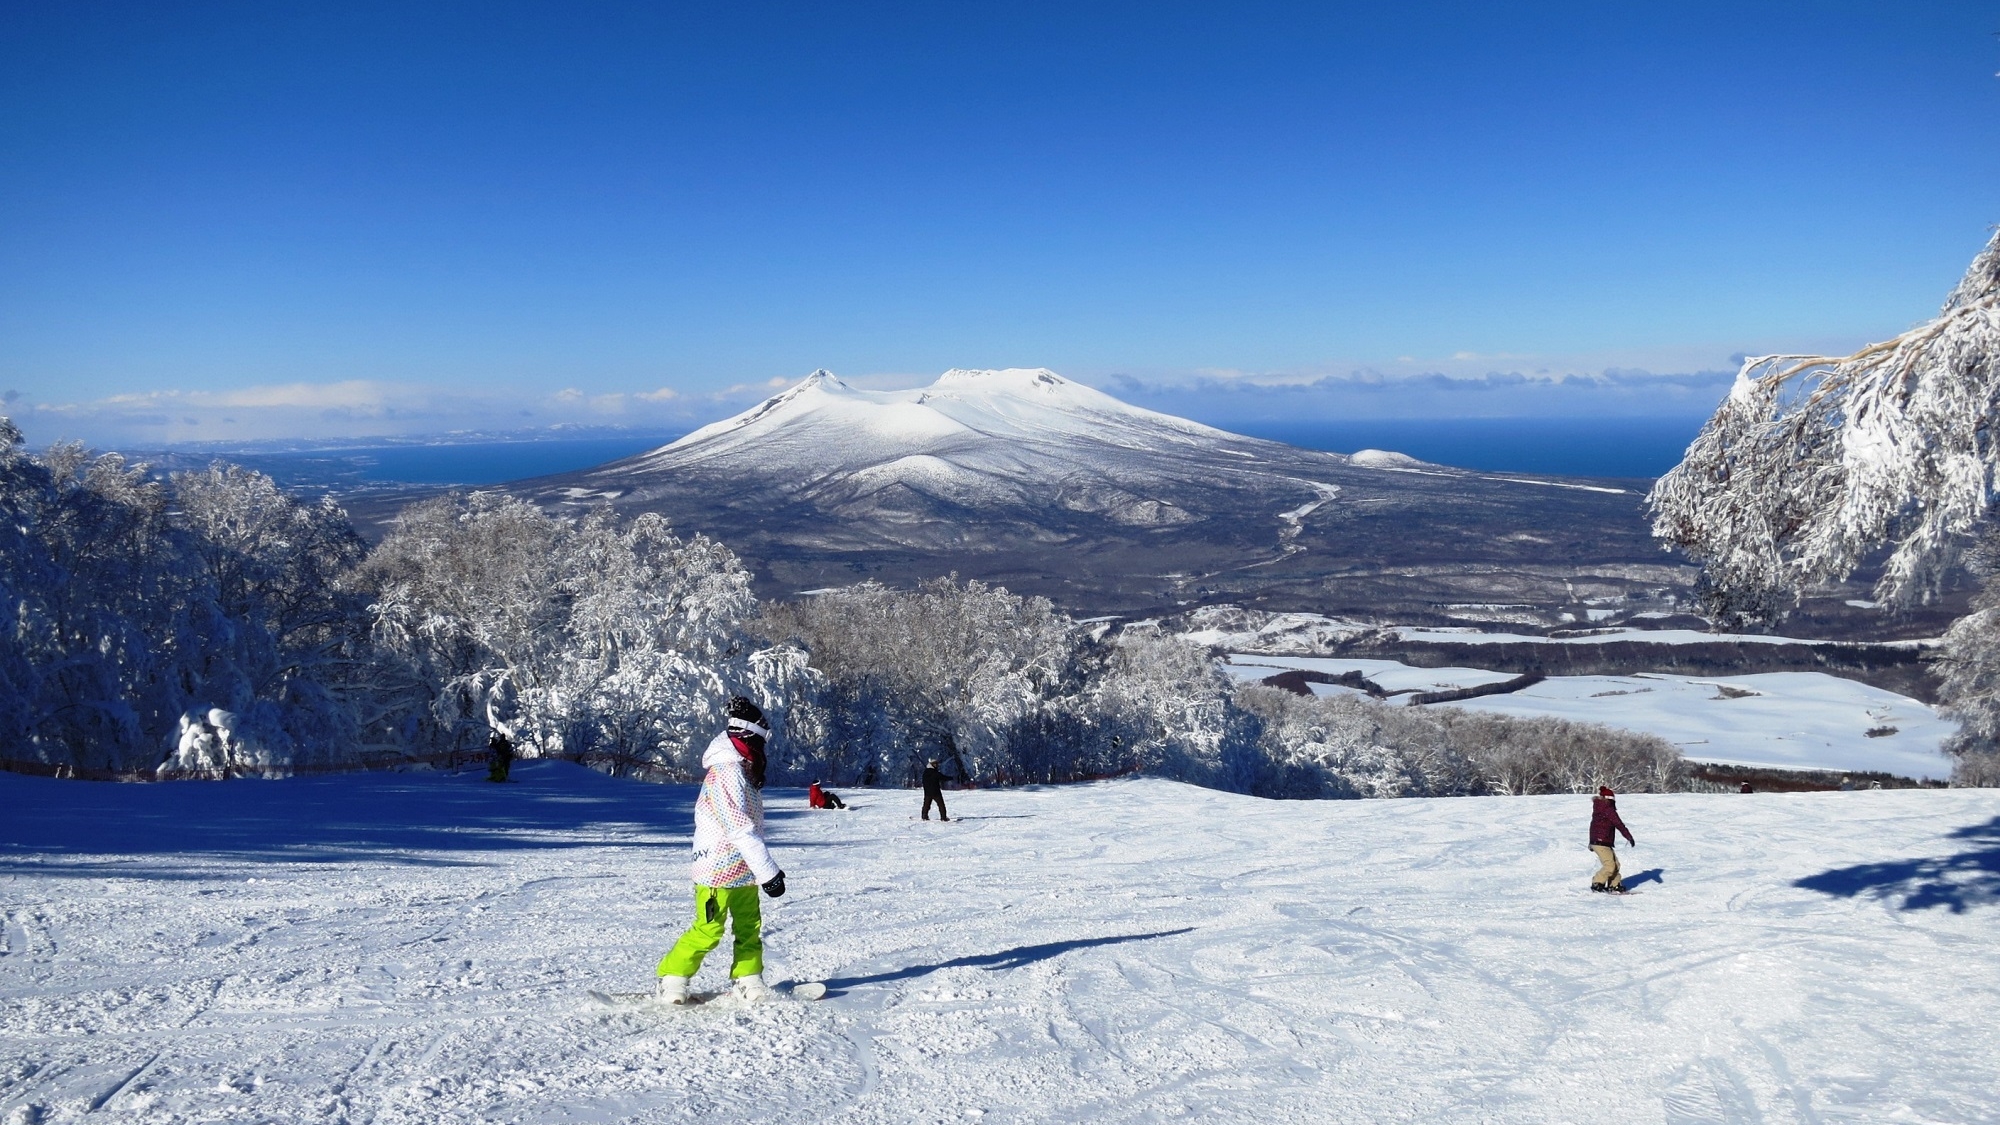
{"type": "Point", "coordinates": [1005, 959]}
{"type": "Point", "coordinates": [1650, 875]}
{"type": "Point", "coordinates": [1968, 877]}
{"type": "Point", "coordinates": [75, 828]}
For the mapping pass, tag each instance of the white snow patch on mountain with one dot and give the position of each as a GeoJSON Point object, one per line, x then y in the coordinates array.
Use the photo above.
{"type": "Point", "coordinates": [1386, 459]}
{"type": "Point", "coordinates": [415, 949]}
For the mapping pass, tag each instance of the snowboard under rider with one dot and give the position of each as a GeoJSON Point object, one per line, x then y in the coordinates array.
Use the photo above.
{"type": "Point", "coordinates": [934, 790]}
{"type": "Point", "coordinates": [1604, 827]}
{"type": "Point", "coordinates": [818, 798]}
{"type": "Point", "coordinates": [731, 861]}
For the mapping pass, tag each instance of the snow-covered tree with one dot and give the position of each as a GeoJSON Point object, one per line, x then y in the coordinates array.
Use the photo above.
{"type": "Point", "coordinates": [105, 616]}
{"type": "Point", "coordinates": [1814, 463]}
{"type": "Point", "coordinates": [1345, 746]}
{"type": "Point", "coordinates": [985, 680]}
{"type": "Point", "coordinates": [1969, 665]}
{"type": "Point", "coordinates": [1172, 712]}
{"type": "Point", "coordinates": [615, 645]}
{"type": "Point", "coordinates": [291, 682]}
{"type": "Point", "coordinates": [191, 627]}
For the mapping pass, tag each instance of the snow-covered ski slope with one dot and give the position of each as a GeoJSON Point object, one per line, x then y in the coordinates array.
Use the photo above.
{"type": "Point", "coordinates": [1774, 720]}
{"type": "Point", "coordinates": [417, 948]}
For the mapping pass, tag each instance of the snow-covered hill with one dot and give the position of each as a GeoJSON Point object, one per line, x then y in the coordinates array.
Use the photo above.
{"type": "Point", "coordinates": [415, 948]}
{"type": "Point", "coordinates": [1049, 486]}
{"type": "Point", "coordinates": [965, 415]}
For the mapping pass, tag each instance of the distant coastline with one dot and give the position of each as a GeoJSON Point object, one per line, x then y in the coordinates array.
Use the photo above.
{"type": "Point", "coordinates": [1580, 447]}
{"type": "Point", "coordinates": [1587, 447]}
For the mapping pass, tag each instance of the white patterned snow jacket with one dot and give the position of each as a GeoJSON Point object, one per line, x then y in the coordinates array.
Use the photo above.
{"type": "Point", "coordinates": [729, 848]}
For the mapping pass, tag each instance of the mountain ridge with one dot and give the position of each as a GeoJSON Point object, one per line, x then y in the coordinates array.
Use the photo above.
{"type": "Point", "coordinates": [1029, 479]}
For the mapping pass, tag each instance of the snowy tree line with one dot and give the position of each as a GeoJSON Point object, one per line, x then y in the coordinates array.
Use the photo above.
{"type": "Point", "coordinates": [176, 625]}
{"type": "Point", "coordinates": [209, 625]}
{"type": "Point", "coordinates": [1003, 688]}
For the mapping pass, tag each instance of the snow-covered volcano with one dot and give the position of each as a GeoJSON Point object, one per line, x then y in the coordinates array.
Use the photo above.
{"type": "Point", "coordinates": [977, 439]}
{"type": "Point", "coordinates": [958, 410]}
{"type": "Point", "coordinates": [1031, 479]}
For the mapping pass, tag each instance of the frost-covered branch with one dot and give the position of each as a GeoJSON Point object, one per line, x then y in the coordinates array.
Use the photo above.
{"type": "Point", "coordinates": [1815, 463]}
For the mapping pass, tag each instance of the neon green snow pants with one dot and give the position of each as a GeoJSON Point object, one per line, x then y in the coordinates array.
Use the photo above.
{"type": "Point", "coordinates": [711, 905]}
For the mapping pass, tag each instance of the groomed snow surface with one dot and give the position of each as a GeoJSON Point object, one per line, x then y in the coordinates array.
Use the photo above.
{"type": "Point", "coordinates": [1776, 720]}
{"type": "Point", "coordinates": [416, 948]}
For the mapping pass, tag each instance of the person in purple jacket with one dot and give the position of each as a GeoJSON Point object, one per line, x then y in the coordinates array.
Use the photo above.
{"type": "Point", "coordinates": [1604, 827]}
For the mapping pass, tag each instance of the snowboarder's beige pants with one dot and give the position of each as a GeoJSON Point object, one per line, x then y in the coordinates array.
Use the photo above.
{"type": "Point", "coordinates": [1607, 868]}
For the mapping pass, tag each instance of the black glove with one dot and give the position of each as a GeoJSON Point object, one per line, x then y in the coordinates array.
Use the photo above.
{"type": "Point", "coordinates": [776, 887]}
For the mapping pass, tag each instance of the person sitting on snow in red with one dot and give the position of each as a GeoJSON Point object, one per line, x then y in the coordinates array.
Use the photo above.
{"type": "Point", "coordinates": [1604, 827]}
{"type": "Point", "coordinates": [817, 798]}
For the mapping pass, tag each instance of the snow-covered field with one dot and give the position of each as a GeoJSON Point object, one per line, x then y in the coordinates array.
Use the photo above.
{"type": "Point", "coordinates": [1781, 720]}
{"type": "Point", "coordinates": [416, 948]}
{"type": "Point", "coordinates": [1389, 675]}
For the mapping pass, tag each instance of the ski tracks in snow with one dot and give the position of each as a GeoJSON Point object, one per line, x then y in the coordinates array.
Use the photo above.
{"type": "Point", "coordinates": [1133, 951]}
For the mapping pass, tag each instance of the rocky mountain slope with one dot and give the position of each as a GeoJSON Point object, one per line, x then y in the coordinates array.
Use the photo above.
{"type": "Point", "coordinates": [1025, 478]}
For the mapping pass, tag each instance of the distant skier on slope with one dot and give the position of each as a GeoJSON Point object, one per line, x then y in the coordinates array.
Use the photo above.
{"type": "Point", "coordinates": [730, 862]}
{"type": "Point", "coordinates": [818, 798]}
{"type": "Point", "coordinates": [934, 790]}
{"type": "Point", "coordinates": [1604, 827]}
{"type": "Point", "coordinates": [502, 750]}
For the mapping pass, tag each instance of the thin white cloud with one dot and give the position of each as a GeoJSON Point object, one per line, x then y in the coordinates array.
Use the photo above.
{"type": "Point", "coordinates": [1466, 365]}
{"type": "Point", "coordinates": [341, 409]}
{"type": "Point", "coordinates": [1464, 384]}
{"type": "Point", "coordinates": [352, 394]}
{"type": "Point", "coordinates": [739, 390]}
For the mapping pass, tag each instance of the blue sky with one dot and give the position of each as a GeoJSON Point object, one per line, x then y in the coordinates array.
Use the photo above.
{"type": "Point", "coordinates": [269, 219]}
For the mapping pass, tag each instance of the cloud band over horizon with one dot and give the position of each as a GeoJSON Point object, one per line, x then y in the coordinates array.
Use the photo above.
{"type": "Point", "coordinates": [358, 408]}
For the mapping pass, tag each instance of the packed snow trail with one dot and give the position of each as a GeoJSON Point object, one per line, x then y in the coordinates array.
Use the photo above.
{"type": "Point", "coordinates": [419, 948]}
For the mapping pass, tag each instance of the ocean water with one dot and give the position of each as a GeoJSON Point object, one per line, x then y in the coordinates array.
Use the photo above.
{"type": "Point", "coordinates": [1619, 447]}
{"type": "Point", "coordinates": [1583, 447]}
{"type": "Point", "coordinates": [473, 463]}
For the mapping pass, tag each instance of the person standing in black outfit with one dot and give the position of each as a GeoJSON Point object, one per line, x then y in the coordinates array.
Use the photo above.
{"type": "Point", "coordinates": [502, 759]}
{"type": "Point", "coordinates": [934, 790]}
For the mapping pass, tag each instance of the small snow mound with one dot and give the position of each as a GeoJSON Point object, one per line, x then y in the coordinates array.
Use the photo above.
{"type": "Point", "coordinates": [1382, 459]}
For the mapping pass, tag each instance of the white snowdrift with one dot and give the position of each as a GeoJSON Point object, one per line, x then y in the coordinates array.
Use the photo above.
{"type": "Point", "coordinates": [404, 949]}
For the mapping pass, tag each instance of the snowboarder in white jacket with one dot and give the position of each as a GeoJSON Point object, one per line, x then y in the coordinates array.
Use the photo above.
{"type": "Point", "coordinates": [730, 861]}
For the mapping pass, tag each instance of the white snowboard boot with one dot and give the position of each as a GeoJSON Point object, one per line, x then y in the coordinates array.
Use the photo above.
{"type": "Point", "coordinates": [752, 989]}
{"type": "Point", "coordinates": [673, 990]}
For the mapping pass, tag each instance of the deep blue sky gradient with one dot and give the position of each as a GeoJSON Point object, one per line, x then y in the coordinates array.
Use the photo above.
{"type": "Point", "coordinates": [466, 205]}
